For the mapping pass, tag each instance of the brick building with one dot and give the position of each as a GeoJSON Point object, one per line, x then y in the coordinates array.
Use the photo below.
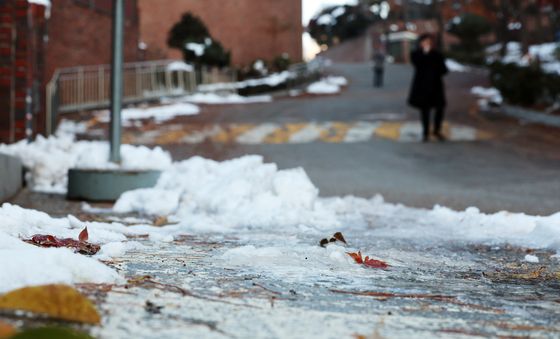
{"type": "Point", "coordinates": [251, 29]}
{"type": "Point", "coordinates": [36, 40]}
{"type": "Point", "coordinates": [22, 27]}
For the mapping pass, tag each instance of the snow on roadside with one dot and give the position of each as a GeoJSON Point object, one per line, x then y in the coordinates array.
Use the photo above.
{"type": "Point", "coordinates": [220, 99]}
{"type": "Point", "coordinates": [328, 85]}
{"type": "Point", "coordinates": [454, 66]}
{"type": "Point", "coordinates": [158, 113]}
{"type": "Point", "coordinates": [246, 193]}
{"type": "Point", "coordinates": [544, 53]}
{"type": "Point", "coordinates": [49, 159]}
{"type": "Point", "coordinates": [487, 96]}
{"type": "Point", "coordinates": [207, 195]}
{"type": "Point", "coordinates": [272, 80]}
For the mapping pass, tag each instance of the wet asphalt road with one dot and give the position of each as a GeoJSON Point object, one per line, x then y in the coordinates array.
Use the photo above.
{"type": "Point", "coordinates": [517, 170]}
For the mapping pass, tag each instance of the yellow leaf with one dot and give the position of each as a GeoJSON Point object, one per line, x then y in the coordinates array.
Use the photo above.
{"type": "Point", "coordinates": [56, 301]}
{"type": "Point", "coordinates": [6, 330]}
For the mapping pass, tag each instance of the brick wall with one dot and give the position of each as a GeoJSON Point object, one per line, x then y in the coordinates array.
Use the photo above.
{"type": "Point", "coordinates": [251, 29]}
{"type": "Point", "coordinates": [21, 41]}
{"type": "Point", "coordinates": [80, 33]}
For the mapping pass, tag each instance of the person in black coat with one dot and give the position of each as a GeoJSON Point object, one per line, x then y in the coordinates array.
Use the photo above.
{"type": "Point", "coordinates": [427, 92]}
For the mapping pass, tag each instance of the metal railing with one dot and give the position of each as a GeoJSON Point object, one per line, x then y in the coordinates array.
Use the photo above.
{"type": "Point", "coordinates": [88, 87]}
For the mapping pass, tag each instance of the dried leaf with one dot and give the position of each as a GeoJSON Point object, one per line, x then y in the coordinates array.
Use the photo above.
{"type": "Point", "coordinates": [375, 263]}
{"type": "Point", "coordinates": [56, 301]}
{"type": "Point", "coordinates": [84, 236]}
{"type": "Point", "coordinates": [356, 256]}
{"type": "Point", "coordinates": [6, 330]}
{"type": "Point", "coordinates": [79, 246]}
{"type": "Point", "coordinates": [161, 221]}
{"type": "Point", "coordinates": [338, 236]}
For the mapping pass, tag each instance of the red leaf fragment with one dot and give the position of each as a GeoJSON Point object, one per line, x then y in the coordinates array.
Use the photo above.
{"type": "Point", "coordinates": [356, 256]}
{"type": "Point", "coordinates": [373, 263]}
{"type": "Point", "coordinates": [84, 236]}
{"type": "Point", "coordinates": [80, 246]}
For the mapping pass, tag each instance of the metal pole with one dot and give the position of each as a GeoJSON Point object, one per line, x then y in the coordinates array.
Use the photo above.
{"type": "Point", "coordinates": [117, 80]}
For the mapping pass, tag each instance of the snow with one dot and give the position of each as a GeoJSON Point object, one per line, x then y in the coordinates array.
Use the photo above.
{"type": "Point", "coordinates": [28, 265]}
{"type": "Point", "coordinates": [454, 66]}
{"type": "Point", "coordinates": [544, 53]}
{"type": "Point", "coordinates": [532, 259]}
{"type": "Point", "coordinates": [220, 99]}
{"type": "Point", "coordinates": [158, 113]}
{"type": "Point", "coordinates": [150, 201]}
{"type": "Point", "coordinates": [246, 193]}
{"type": "Point", "coordinates": [328, 85]}
{"type": "Point", "coordinates": [46, 3]}
{"type": "Point", "coordinates": [179, 66]}
{"type": "Point", "coordinates": [272, 80]}
{"type": "Point", "coordinates": [487, 96]}
{"type": "Point", "coordinates": [49, 159]}
{"type": "Point", "coordinates": [197, 49]}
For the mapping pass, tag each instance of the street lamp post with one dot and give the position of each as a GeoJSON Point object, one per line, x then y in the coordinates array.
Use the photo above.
{"type": "Point", "coordinates": [117, 80]}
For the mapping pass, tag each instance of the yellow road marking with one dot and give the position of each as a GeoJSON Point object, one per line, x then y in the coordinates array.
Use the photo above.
{"type": "Point", "coordinates": [282, 135]}
{"type": "Point", "coordinates": [389, 130]}
{"type": "Point", "coordinates": [231, 132]}
{"type": "Point", "coordinates": [170, 137]}
{"type": "Point", "coordinates": [336, 132]}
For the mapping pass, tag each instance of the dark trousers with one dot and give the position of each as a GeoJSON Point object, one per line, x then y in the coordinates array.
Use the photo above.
{"type": "Point", "coordinates": [438, 120]}
{"type": "Point", "coordinates": [378, 77]}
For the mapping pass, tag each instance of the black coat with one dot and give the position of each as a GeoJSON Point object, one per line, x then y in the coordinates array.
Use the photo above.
{"type": "Point", "coordinates": [427, 88]}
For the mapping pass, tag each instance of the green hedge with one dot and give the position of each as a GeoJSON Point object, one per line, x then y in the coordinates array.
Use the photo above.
{"type": "Point", "coordinates": [525, 85]}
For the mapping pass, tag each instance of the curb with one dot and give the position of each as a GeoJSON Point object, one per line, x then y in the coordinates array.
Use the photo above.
{"type": "Point", "coordinates": [11, 176]}
{"type": "Point", "coordinates": [531, 116]}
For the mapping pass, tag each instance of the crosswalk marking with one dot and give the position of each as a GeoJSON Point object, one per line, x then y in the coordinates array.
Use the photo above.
{"type": "Point", "coordinates": [283, 134]}
{"type": "Point", "coordinates": [309, 133]}
{"type": "Point", "coordinates": [258, 134]}
{"type": "Point", "coordinates": [389, 130]}
{"type": "Point", "coordinates": [229, 133]}
{"type": "Point", "coordinates": [360, 132]}
{"type": "Point", "coordinates": [296, 133]}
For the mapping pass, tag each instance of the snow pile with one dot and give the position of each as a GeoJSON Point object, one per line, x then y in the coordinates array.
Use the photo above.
{"type": "Point", "coordinates": [545, 54]}
{"type": "Point", "coordinates": [46, 3]}
{"type": "Point", "coordinates": [25, 265]}
{"type": "Point", "coordinates": [272, 80]}
{"type": "Point", "coordinates": [49, 159]}
{"type": "Point", "coordinates": [328, 85]}
{"type": "Point", "coordinates": [158, 113]}
{"type": "Point", "coordinates": [488, 96]}
{"type": "Point", "coordinates": [454, 66]}
{"type": "Point", "coordinates": [218, 99]}
{"type": "Point", "coordinates": [179, 66]}
{"type": "Point", "coordinates": [211, 196]}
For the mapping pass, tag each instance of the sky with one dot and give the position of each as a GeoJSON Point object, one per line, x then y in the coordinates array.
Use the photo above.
{"type": "Point", "coordinates": [310, 8]}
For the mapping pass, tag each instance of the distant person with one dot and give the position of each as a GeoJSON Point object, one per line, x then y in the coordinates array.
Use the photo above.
{"type": "Point", "coordinates": [378, 68]}
{"type": "Point", "coordinates": [427, 92]}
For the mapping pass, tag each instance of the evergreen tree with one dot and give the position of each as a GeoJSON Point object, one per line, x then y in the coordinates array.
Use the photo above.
{"type": "Point", "coordinates": [191, 36]}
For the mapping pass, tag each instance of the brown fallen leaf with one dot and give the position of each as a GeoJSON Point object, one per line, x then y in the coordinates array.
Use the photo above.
{"type": "Point", "coordinates": [161, 221]}
{"type": "Point", "coordinates": [84, 236]}
{"type": "Point", "coordinates": [336, 237]}
{"type": "Point", "coordinates": [55, 301]}
{"type": "Point", "coordinates": [373, 263]}
{"type": "Point", "coordinates": [6, 330]}
{"type": "Point", "coordinates": [81, 245]}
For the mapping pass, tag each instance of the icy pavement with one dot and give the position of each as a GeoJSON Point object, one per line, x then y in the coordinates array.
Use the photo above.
{"type": "Point", "coordinates": [279, 283]}
{"type": "Point", "coordinates": [288, 286]}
